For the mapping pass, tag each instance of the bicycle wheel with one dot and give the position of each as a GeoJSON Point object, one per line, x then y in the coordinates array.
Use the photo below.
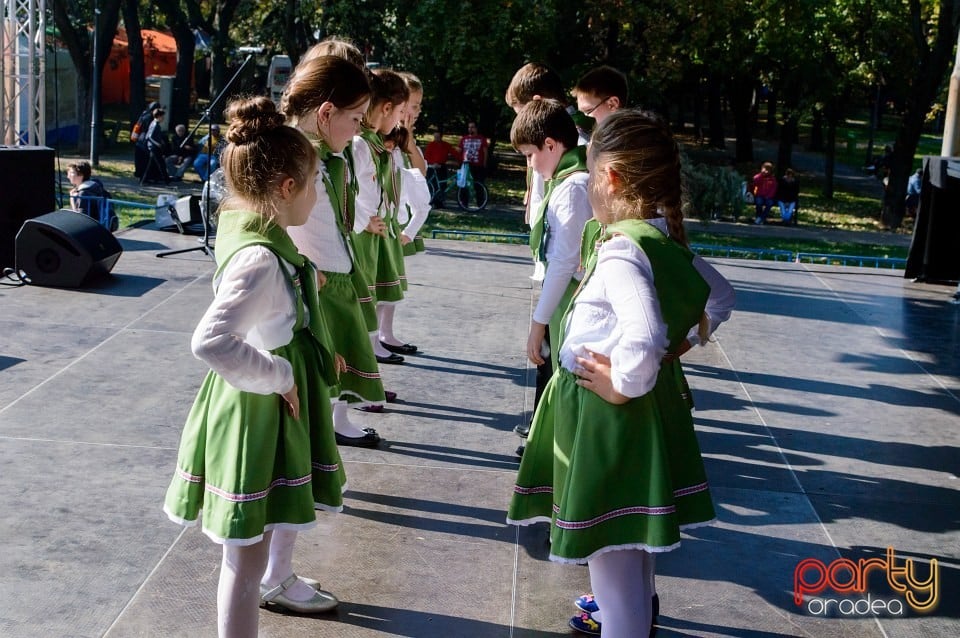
{"type": "Point", "coordinates": [472, 199]}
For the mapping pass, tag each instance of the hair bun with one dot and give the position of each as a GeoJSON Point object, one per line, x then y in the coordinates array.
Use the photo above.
{"type": "Point", "coordinates": [251, 118]}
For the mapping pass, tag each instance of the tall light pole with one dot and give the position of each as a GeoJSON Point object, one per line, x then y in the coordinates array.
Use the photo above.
{"type": "Point", "coordinates": [951, 126]}
{"type": "Point", "coordinates": [95, 90]}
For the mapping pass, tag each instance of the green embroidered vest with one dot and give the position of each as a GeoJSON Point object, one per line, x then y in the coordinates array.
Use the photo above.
{"type": "Point", "coordinates": [681, 291]}
{"type": "Point", "coordinates": [574, 160]}
{"type": "Point", "coordinates": [239, 229]}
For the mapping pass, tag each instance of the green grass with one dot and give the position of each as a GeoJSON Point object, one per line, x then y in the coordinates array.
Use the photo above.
{"type": "Point", "coordinates": [504, 215]}
{"type": "Point", "coordinates": [797, 246]}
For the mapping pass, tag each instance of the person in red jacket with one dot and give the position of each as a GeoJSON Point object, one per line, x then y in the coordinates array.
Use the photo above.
{"type": "Point", "coordinates": [437, 154]}
{"type": "Point", "coordinates": [764, 189]}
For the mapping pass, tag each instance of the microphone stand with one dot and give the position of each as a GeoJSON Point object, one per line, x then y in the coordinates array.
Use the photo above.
{"type": "Point", "coordinates": [205, 246]}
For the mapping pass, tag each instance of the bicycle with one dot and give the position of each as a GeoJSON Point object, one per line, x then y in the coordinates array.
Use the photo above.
{"type": "Point", "coordinates": [471, 198]}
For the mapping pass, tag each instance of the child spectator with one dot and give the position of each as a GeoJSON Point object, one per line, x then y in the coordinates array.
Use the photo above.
{"type": "Point", "coordinates": [88, 195]}
{"type": "Point", "coordinates": [788, 197]}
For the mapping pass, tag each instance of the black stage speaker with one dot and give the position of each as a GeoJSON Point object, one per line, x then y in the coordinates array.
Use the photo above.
{"type": "Point", "coordinates": [27, 181]}
{"type": "Point", "coordinates": [933, 252]}
{"type": "Point", "coordinates": [64, 249]}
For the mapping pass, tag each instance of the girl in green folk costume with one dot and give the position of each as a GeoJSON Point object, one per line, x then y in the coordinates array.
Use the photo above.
{"type": "Point", "coordinates": [377, 239]}
{"type": "Point", "coordinates": [414, 192]}
{"type": "Point", "coordinates": [612, 461]}
{"type": "Point", "coordinates": [257, 454]}
{"type": "Point", "coordinates": [326, 97]}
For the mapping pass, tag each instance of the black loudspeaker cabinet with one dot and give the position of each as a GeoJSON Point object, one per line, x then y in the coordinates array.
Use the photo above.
{"type": "Point", "coordinates": [933, 252]}
{"type": "Point", "coordinates": [27, 181]}
{"type": "Point", "coordinates": [64, 249]}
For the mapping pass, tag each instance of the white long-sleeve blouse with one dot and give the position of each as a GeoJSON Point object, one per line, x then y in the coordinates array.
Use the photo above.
{"type": "Point", "coordinates": [252, 313]}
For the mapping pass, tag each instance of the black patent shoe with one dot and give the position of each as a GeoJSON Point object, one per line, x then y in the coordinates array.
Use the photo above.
{"type": "Point", "coordinates": [405, 348]}
{"type": "Point", "coordinates": [369, 439]}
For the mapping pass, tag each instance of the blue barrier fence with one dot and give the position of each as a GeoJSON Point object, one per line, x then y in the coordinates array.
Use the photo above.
{"type": "Point", "coordinates": [733, 252]}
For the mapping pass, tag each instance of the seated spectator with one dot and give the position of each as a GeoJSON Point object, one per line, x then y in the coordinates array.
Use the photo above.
{"type": "Point", "coordinates": [183, 150]}
{"type": "Point", "coordinates": [764, 189]}
{"type": "Point", "coordinates": [208, 160]}
{"type": "Point", "coordinates": [788, 196]}
{"type": "Point", "coordinates": [88, 195]}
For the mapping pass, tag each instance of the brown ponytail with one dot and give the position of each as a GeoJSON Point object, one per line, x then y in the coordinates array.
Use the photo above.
{"type": "Point", "coordinates": [639, 147]}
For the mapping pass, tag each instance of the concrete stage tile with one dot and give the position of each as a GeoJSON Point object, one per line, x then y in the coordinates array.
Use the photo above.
{"type": "Point", "coordinates": [92, 399]}
{"type": "Point", "coordinates": [82, 529]}
{"type": "Point", "coordinates": [416, 552]}
{"type": "Point", "coordinates": [735, 578]}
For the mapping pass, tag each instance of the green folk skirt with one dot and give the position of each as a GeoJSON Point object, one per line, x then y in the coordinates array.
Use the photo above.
{"type": "Point", "coordinates": [368, 305]}
{"type": "Point", "coordinates": [381, 260]}
{"type": "Point", "coordinates": [414, 247]}
{"type": "Point", "coordinates": [338, 301]}
{"type": "Point", "coordinates": [248, 466]}
{"type": "Point", "coordinates": [610, 477]}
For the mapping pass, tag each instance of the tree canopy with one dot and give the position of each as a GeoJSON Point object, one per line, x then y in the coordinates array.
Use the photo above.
{"type": "Point", "coordinates": [702, 62]}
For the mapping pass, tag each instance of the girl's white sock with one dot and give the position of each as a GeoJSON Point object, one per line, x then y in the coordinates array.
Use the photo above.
{"type": "Point", "coordinates": [385, 313]}
{"type": "Point", "coordinates": [378, 348]}
{"type": "Point", "coordinates": [280, 565]}
{"type": "Point", "coordinates": [341, 420]}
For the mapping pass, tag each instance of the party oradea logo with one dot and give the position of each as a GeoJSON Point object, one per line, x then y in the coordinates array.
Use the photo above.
{"type": "Point", "coordinates": [843, 588]}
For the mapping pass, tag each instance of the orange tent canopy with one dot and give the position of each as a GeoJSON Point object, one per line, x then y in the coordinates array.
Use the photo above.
{"type": "Point", "coordinates": [159, 56]}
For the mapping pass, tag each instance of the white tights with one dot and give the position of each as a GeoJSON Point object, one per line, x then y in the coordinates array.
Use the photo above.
{"type": "Point", "coordinates": [621, 584]}
{"type": "Point", "coordinates": [385, 313]}
{"type": "Point", "coordinates": [238, 593]}
{"type": "Point", "coordinates": [341, 421]}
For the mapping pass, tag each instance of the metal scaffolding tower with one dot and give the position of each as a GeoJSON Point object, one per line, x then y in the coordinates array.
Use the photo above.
{"type": "Point", "coordinates": [22, 98]}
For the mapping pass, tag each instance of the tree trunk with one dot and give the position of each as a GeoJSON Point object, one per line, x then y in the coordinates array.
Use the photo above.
{"type": "Point", "coordinates": [698, 111]}
{"type": "Point", "coordinates": [715, 111]}
{"type": "Point", "coordinates": [830, 157]}
{"type": "Point", "coordinates": [741, 102]}
{"type": "Point", "coordinates": [771, 113]}
{"type": "Point", "coordinates": [931, 70]}
{"type": "Point", "coordinates": [138, 79]}
{"type": "Point", "coordinates": [219, 76]}
{"type": "Point", "coordinates": [183, 79]}
{"type": "Point", "coordinates": [788, 133]}
{"type": "Point", "coordinates": [75, 35]}
{"type": "Point", "coordinates": [816, 131]}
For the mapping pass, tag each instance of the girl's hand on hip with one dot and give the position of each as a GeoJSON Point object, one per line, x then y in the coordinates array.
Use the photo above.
{"type": "Point", "coordinates": [595, 375]}
{"type": "Point", "coordinates": [293, 402]}
{"type": "Point", "coordinates": [535, 341]}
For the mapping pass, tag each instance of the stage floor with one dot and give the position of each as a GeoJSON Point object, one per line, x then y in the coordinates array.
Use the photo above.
{"type": "Point", "coordinates": [827, 411]}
